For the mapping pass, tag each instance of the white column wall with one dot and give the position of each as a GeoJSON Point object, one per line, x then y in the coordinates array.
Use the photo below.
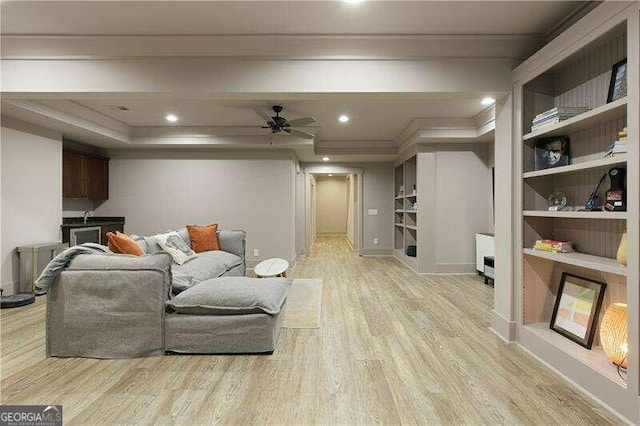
{"type": "Point", "coordinates": [502, 317]}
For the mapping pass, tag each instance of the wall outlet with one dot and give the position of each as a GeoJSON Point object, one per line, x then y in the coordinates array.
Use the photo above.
{"type": "Point", "coordinates": [256, 252]}
{"type": "Point", "coordinates": [375, 241]}
{"type": "Point", "coordinates": [373, 212]}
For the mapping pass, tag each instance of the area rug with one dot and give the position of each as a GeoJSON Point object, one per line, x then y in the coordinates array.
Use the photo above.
{"type": "Point", "coordinates": [304, 304]}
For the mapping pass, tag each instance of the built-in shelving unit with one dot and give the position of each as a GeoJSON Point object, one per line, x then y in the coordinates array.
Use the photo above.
{"type": "Point", "coordinates": [579, 77]}
{"type": "Point", "coordinates": [406, 220]}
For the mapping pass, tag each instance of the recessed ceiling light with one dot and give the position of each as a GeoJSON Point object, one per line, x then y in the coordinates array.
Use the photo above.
{"type": "Point", "coordinates": [330, 174]}
{"type": "Point", "coordinates": [487, 101]}
{"type": "Point", "coordinates": [343, 118]}
{"type": "Point", "coordinates": [326, 158]}
{"type": "Point", "coordinates": [352, 1]}
{"type": "Point", "coordinates": [171, 118]}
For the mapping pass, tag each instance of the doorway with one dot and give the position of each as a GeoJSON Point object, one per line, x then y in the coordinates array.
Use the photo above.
{"type": "Point", "coordinates": [334, 206]}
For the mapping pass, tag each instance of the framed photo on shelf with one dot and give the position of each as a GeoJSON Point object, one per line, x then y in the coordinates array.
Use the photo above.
{"type": "Point", "coordinates": [577, 307]}
{"type": "Point", "coordinates": [618, 82]}
{"type": "Point", "coordinates": [551, 152]}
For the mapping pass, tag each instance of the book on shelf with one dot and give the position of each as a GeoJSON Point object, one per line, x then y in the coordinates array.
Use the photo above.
{"type": "Point", "coordinates": [556, 115]}
{"type": "Point", "coordinates": [553, 246]}
{"type": "Point", "coordinates": [617, 148]}
{"type": "Point", "coordinates": [562, 110]}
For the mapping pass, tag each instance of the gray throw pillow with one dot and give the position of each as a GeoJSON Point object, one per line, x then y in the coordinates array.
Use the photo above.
{"type": "Point", "coordinates": [233, 296]}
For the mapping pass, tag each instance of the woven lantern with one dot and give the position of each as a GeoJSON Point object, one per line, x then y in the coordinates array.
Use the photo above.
{"type": "Point", "coordinates": [613, 334]}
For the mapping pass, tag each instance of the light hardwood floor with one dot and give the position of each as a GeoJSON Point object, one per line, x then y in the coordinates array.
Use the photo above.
{"type": "Point", "coordinates": [393, 348]}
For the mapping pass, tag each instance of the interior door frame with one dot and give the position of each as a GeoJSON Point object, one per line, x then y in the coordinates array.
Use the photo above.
{"type": "Point", "coordinates": [324, 170]}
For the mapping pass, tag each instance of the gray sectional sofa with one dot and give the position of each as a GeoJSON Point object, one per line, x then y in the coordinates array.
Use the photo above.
{"type": "Point", "coordinates": [121, 306]}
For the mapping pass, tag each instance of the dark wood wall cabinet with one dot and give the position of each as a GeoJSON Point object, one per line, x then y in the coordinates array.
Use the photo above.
{"type": "Point", "coordinates": [84, 176]}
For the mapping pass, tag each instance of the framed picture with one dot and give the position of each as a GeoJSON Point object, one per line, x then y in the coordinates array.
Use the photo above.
{"type": "Point", "coordinates": [618, 83]}
{"type": "Point", "coordinates": [551, 152]}
{"type": "Point", "coordinates": [577, 307]}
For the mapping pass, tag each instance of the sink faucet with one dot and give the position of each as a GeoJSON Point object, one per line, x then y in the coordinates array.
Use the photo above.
{"type": "Point", "coordinates": [87, 213]}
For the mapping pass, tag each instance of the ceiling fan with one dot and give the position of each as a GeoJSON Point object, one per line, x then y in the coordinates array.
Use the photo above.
{"type": "Point", "coordinates": [279, 124]}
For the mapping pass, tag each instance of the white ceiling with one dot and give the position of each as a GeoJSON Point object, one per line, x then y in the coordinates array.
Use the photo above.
{"type": "Point", "coordinates": [371, 119]}
{"type": "Point", "coordinates": [282, 17]}
{"type": "Point", "coordinates": [390, 30]}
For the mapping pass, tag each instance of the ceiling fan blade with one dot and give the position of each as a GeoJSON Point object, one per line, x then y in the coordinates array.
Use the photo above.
{"type": "Point", "coordinates": [299, 133]}
{"type": "Point", "coordinates": [301, 122]}
{"type": "Point", "coordinates": [263, 115]}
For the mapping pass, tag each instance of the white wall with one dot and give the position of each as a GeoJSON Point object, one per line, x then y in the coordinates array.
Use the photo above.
{"type": "Point", "coordinates": [31, 169]}
{"type": "Point", "coordinates": [377, 193]}
{"type": "Point", "coordinates": [502, 316]}
{"type": "Point", "coordinates": [463, 207]}
{"type": "Point", "coordinates": [331, 207]}
{"type": "Point", "coordinates": [162, 190]}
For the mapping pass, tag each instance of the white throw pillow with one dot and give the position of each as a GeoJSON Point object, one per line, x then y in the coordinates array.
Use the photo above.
{"type": "Point", "coordinates": [173, 243]}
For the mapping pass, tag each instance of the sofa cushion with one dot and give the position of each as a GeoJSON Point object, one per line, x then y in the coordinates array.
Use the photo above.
{"type": "Point", "coordinates": [203, 238]}
{"type": "Point", "coordinates": [206, 265]}
{"type": "Point", "coordinates": [123, 244]}
{"type": "Point", "coordinates": [175, 245]}
{"type": "Point", "coordinates": [233, 296]}
{"type": "Point", "coordinates": [152, 246]}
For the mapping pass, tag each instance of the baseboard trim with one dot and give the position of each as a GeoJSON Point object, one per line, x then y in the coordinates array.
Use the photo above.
{"type": "Point", "coordinates": [502, 327]}
{"type": "Point", "coordinates": [455, 268]}
{"type": "Point", "coordinates": [442, 274]}
{"type": "Point", "coordinates": [384, 252]}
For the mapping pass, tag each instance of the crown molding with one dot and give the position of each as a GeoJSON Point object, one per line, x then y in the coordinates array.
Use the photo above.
{"type": "Point", "coordinates": [41, 114]}
{"type": "Point", "coordinates": [478, 128]}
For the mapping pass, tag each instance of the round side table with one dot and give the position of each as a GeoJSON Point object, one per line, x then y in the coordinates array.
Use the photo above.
{"type": "Point", "coordinates": [275, 267]}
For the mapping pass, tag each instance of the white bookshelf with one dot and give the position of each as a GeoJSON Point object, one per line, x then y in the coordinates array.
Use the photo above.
{"type": "Point", "coordinates": [406, 219]}
{"type": "Point", "coordinates": [576, 71]}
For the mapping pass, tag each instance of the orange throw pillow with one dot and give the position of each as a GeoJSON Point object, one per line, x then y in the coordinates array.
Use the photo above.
{"type": "Point", "coordinates": [203, 238]}
{"type": "Point", "coordinates": [123, 244]}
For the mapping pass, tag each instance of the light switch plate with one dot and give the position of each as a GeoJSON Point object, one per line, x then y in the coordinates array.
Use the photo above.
{"type": "Point", "coordinates": [373, 212]}
{"type": "Point", "coordinates": [256, 253]}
